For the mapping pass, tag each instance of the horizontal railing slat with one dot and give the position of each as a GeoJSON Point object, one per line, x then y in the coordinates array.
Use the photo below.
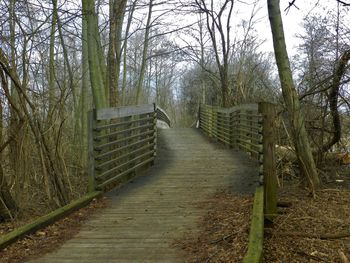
{"type": "Point", "coordinates": [120, 112]}
{"type": "Point", "coordinates": [109, 153]}
{"type": "Point", "coordinates": [123, 131]}
{"type": "Point", "coordinates": [116, 168]}
{"type": "Point", "coordinates": [118, 124]}
{"type": "Point", "coordinates": [113, 143]}
{"type": "Point", "coordinates": [121, 157]}
{"type": "Point", "coordinates": [115, 178]}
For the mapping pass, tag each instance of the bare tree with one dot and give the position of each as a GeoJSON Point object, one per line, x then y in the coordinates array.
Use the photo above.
{"type": "Point", "coordinates": [291, 99]}
{"type": "Point", "coordinates": [221, 44]}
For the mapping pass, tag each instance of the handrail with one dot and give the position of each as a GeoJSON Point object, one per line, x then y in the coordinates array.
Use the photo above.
{"type": "Point", "coordinates": [249, 127]}
{"type": "Point", "coordinates": [122, 141]}
{"type": "Point", "coordinates": [163, 116]}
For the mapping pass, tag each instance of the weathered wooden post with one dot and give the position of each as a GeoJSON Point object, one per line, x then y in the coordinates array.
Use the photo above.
{"type": "Point", "coordinates": [210, 120]}
{"type": "Point", "coordinates": [155, 133]}
{"type": "Point", "coordinates": [215, 122]}
{"type": "Point", "coordinates": [233, 128]}
{"type": "Point", "coordinates": [91, 156]}
{"type": "Point", "coordinates": [269, 162]}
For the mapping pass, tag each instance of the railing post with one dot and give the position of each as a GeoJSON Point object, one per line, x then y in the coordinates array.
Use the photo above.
{"type": "Point", "coordinates": [215, 123]}
{"type": "Point", "coordinates": [155, 133]}
{"type": "Point", "coordinates": [270, 180]}
{"type": "Point", "coordinates": [233, 130]}
{"type": "Point", "coordinates": [210, 121]}
{"type": "Point", "coordinates": [91, 158]}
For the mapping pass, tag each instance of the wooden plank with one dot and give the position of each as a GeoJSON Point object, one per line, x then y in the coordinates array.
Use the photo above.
{"type": "Point", "coordinates": [119, 176]}
{"type": "Point", "coordinates": [256, 233]}
{"type": "Point", "coordinates": [162, 115]}
{"type": "Point", "coordinates": [122, 123]}
{"type": "Point", "coordinates": [120, 157]}
{"type": "Point", "coordinates": [119, 112]}
{"type": "Point", "coordinates": [116, 168]}
{"type": "Point", "coordinates": [113, 152]}
{"type": "Point", "coordinates": [100, 147]}
{"type": "Point", "coordinates": [91, 159]}
{"type": "Point", "coordinates": [46, 219]}
{"type": "Point", "coordinates": [111, 134]}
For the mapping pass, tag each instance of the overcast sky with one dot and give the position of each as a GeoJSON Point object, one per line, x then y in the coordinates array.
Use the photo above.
{"type": "Point", "coordinates": [291, 20]}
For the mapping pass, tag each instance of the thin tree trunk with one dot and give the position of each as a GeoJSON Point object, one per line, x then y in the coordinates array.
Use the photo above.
{"type": "Point", "coordinates": [296, 118]}
{"type": "Point", "coordinates": [96, 74]}
{"type": "Point", "coordinates": [7, 203]}
{"type": "Point", "coordinates": [139, 84]}
{"type": "Point", "coordinates": [124, 49]}
{"type": "Point", "coordinates": [29, 113]}
{"type": "Point", "coordinates": [84, 91]}
{"type": "Point", "coordinates": [340, 70]}
{"type": "Point", "coordinates": [214, 24]}
{"type": "Point", "coordinates": [117, 11]}
{"type": "Point", "coordinates": [51, 84]}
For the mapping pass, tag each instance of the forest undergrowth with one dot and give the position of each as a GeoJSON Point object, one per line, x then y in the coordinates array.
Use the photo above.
{"type": "Point", "coordinates": [307, 229]}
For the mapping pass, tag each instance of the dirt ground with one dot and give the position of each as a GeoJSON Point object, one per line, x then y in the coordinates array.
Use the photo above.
{"type": "Point", "coordinates": [224, 230]}
{"type": "Point", "coordinates": [310, 229]}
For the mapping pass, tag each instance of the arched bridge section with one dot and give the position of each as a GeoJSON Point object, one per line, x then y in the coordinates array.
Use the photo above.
{"type": "Point", "coordinates": [144, 217]}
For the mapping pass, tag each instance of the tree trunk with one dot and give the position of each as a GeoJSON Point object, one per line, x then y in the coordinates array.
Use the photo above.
{"type": "Point", "coordinates": [7, 203]}
{"type": "Point", "coordinates": [51, 84]}
{"type": "Point", "coordinates": [340, 70]}
{"type": "Point", "coordinates": [117, 10]}
{"type": "Point", "coordinates": [84, 92]}
{"type": "Point", "coordinates": [296, 118]}
{"type": "Point", "coordinates": [96, 73]}
{"type": "Point", "coordinates": [139, 84]}
{"type": "Point", "coordinates": [125, 45]}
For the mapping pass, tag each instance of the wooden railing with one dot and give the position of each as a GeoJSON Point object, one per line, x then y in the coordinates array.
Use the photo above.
{"type": "Point", "coordinates": [121, 142]}
{"type": "Point", "coordinates": [163, 116]}
{"type": "Point", "coordinates": [249, 127]}
{"type": "Point", "coordinates": [239, 126]}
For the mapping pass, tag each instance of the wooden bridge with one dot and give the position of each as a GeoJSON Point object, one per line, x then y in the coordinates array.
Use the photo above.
{"type": "Point", "coordinates": [144, 217]}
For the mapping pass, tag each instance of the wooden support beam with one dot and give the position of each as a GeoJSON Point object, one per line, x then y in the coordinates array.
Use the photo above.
{"type": "Point", "coordinates": [256, 233]}
{"type": "Point", "coordinates": [91, 155]}
{"type": "Point", "coordinates": [46, 219]}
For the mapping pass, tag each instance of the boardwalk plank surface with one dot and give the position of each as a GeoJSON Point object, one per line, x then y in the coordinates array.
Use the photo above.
{"type": "Point", "coordinates": [143, 218]}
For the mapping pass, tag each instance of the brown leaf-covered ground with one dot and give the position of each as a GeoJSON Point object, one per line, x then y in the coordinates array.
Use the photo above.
{"type": "Point", "coordinates": [328, 213]}
{"type": "Point", "coordinates": [49, 238]}
{"type": "Point", "coordinates": [224, 230]}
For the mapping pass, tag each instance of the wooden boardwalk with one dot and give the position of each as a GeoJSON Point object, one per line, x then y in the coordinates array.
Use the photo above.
{"type": "Point", "coordinates": [144, 217]}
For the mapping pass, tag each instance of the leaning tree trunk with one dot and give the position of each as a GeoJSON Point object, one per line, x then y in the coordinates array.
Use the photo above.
{"type": "Point", "coordinates": [340, 70]}
{"type": "Point", "coordinates": [7, 203]}
{"type": "Point", "coordinates": [296, 118]}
